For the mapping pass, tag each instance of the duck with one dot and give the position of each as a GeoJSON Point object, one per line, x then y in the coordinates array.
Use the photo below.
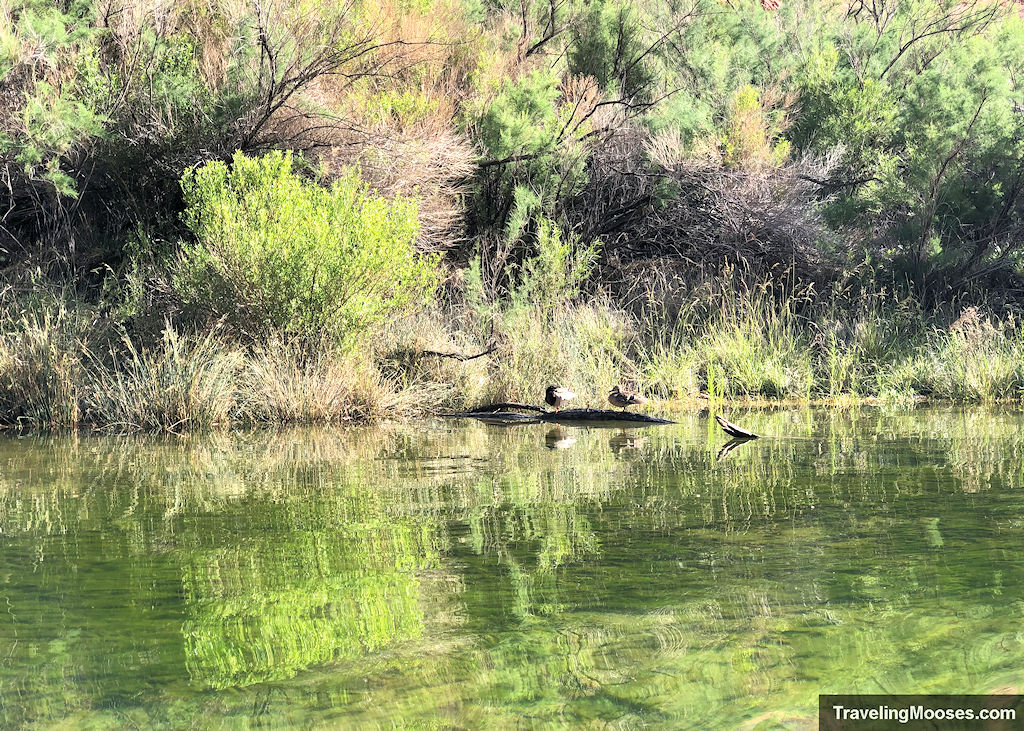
{"type": "Point", "coordinates": [557, 396]}
{"type": "Point", "coordinates": [621, 399]}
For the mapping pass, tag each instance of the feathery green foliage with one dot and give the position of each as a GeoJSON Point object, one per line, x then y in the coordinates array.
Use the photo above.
{"type": "Point", "coordinates": [275, 254]}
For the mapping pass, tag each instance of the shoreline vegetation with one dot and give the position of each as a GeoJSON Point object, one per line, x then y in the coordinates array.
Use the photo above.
{"type": "Point", "coordinates": [311, 213]}
{"type": "Point", "coordinates": [62, 371]}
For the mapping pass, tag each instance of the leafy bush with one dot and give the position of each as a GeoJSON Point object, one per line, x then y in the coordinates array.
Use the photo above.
{"type": "Point", "coordinates": [535, 135]}
{"type": "Point", "coordinates": [277, 255]}
{"type": "Point", "coordinates": [607, 43]}
{"type": "Point", "coordinates": [522, 120]}
{"type": "Point", "coordinates": [554, 275]}
{"type": "Point", "coordinates": [925, 122]}
{"type": "Point", "coordinates": [45, 56]}
{"type": "Point", "coordinates": [748, 137]}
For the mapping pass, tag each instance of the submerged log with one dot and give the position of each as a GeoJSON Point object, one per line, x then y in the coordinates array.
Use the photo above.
{"type": "Point", "coordinates": [574, 416]}
{"type": "Point", "coordinates": [734, 431]}
{"type": "Point", "coordinates": [499, 414]}
{"type": "Point", "coordinates": [503, 406]}
{"type": "Point", "coordinates": [502, 418]}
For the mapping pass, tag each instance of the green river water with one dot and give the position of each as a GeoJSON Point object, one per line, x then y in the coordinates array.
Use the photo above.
{"type": "Point", "coordinates": [458, 575]}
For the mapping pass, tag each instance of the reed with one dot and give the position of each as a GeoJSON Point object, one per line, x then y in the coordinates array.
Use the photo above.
{"type": "Point", "coordinates": [41, 368]}
{"type": "Point", "coordinates": [183, 383]}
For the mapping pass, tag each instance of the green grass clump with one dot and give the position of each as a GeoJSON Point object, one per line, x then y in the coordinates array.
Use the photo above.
{"type": "Point", "coordinates": [974, 360]}
{"type": "Point", "coordinates": [41, 369]}
{"type": "Point", "coordinates": [184, 383]}
{"type": "Point", "coordinates": [758, 355]}
{"type": "Point", "coordinates": [668, 366]}
{"type": "Point", "coordinates": [732, 340]}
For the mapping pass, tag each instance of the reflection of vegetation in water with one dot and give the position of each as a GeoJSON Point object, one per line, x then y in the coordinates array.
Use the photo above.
{"type": "Point", "coordinates": [263, 611]}
{"type": "Point", "coordinates": [473, 576]}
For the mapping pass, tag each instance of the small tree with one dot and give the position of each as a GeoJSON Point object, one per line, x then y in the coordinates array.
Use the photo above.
{"type": "Point", "coordinates": [277, 255]}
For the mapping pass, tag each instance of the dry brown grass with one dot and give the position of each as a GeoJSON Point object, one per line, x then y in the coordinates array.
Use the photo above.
{"type": "Point", "coordinates": [181, 384]}
{"type": "Point", "coordinates": [397, 124]}
{"type": "Point", "coordinates": [284, 383]}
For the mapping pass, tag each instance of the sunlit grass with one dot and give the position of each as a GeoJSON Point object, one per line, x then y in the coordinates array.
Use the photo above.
{"type": "Point", "coordinates": [41, 368]}
{"type": "Point", "coordinates": [728, 343]}
{"type": "Point", "coordinates": [284, 383]}
{"type": "Point", "coordinates": [183, 383]}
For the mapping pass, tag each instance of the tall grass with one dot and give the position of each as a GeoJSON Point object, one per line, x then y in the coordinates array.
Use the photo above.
{"type": "Point", "coordinates": [286, 383]}
{"type": "Point", "coordinates": [546, 330]}
{"type": "Point", "coordinates": [183, 383]}
{"type": "Point", "coordinates": [734, 342]}
{"type": "Point", "coordinates": [41, 368]}
{"type": "Point", "coordinates": [282, 385]}
{"type": "Point", "coordinates": [582, 346]}
{"type": "Point", "coordinates": [728, 341]}
{"type": "Point", "coordinates": [765, 344]}
{"type": "Point", "coordinates": [975, 359]}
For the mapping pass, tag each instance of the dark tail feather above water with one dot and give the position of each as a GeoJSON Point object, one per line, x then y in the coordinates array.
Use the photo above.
{"type": "Point", "coordinates": [734, 431]}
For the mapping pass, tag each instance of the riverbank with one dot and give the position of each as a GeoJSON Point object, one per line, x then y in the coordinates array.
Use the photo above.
{"type": "Point", "coordinates": [66, 365]}
{"type": "Point", "coordinates": [385, 211]}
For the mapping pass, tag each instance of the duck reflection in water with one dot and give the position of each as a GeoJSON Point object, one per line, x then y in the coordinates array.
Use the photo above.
{"type": "Point", "coordinates": [625, 441]}
{"type": "Point", "coordinates": [558, 438]}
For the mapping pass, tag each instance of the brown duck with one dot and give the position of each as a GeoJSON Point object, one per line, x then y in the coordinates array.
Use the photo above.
{"type": "Point", "coordinates": [621, 399]}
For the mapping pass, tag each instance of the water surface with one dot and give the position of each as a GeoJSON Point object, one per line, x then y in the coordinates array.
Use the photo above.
{"type": "Point", "coordinates": [443, 575]}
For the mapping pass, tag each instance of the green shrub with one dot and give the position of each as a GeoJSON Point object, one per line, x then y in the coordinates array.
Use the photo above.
{"type": "Point", "coordinates": [49, 119]}
{"type": "Point", "coordinates": [277, 255]}
{"type": "Point", "coordinates": [924, 129]}
{"type": "Point", "coordinates": [536, 139]}
{"type": "Point", "coordinates": [749, 134]}
{"type": "Point", "coordinates": [608, 44]}
{"type": "Point", "coordinates": [553, 276]}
